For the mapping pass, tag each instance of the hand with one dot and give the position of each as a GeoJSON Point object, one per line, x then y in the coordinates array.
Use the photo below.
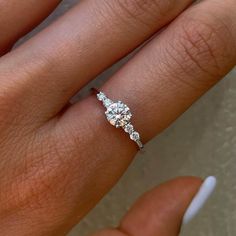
{"type": "Point", "coordinates": [58, 160]}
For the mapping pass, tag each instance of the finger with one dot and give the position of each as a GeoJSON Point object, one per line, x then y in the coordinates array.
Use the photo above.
{"type": "Point", "coordinates": [157, 212]}
{"type": "Point", "coordinates": [179, 66]}
{"type": "Point", "coordinates": [19, 17]}
{"type": "Point", "coordinates": [158, 84]}
{"type": "Point", "coordinates": [176, 68]}
{"type": "Point", "coordinates": [80, 45]}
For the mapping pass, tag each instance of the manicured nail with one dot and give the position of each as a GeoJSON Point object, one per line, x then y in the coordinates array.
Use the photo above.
{"type": "Point", "coordinates": [200, 199]}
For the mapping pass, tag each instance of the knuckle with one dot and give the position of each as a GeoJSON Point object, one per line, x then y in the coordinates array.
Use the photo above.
{"type": "Point", "coordinates": [142, 11]}
{"type": "Point", "coordinates": [203, 49]}
{"type": "Point", "coordinates": [203, 43]}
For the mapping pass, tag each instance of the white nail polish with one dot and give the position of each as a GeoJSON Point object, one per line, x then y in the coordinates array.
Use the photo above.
{"type": "Point", "coordinates": [200, 199]}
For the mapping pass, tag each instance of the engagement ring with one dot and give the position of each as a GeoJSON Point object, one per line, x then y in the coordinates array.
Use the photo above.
{"type": "Point", "coordinates": [119, 115]}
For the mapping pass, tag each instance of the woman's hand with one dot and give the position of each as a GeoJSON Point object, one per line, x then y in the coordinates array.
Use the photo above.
{"type": "Point", "coordinates": [58, 160]}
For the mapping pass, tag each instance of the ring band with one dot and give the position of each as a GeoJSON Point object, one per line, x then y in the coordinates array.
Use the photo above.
{"type": "Point", "coordinates": [119, 115]}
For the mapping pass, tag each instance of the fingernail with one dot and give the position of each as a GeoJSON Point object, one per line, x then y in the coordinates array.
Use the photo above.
{"type": "Point", "coordinates": [204, 193]}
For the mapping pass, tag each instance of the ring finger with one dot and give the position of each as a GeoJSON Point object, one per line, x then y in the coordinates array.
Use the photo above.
{"type": "Point", "coordinates": [158, 84]}
{"type": "Point", "coordinates": [178, 66]}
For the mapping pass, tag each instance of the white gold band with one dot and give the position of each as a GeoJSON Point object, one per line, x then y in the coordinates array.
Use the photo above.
{"type": "Point", "coordinates": [119, 115]}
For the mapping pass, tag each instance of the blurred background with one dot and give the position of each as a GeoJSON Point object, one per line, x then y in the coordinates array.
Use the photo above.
{"type": "Point", "coordinates": [201, 142]}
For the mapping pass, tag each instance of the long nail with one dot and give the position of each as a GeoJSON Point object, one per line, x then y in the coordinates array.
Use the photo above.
{"type": "Point", "coordinates": [200, 199]}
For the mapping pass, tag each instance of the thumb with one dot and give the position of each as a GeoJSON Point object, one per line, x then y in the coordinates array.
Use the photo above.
{"type": "Point", "coordinates": [159, 211]}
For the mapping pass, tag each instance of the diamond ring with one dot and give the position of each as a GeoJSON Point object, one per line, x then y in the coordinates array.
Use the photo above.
{"type": "Point", "coordinates": [119, 115]}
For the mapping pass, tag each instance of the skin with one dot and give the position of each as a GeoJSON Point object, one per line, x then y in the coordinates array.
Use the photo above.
{"type": "Point", "coordinates": [54, 167]}
{"type": "Point", "coordinates": [17, 19]}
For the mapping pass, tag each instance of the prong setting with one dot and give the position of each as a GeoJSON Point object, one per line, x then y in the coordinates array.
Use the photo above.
{"type": "Point", "coordinates": [119, 115]}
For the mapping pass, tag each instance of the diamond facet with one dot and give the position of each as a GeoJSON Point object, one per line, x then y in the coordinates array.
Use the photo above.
{"type": "Point", "coordinates": [107, 102]}
{"type": "Point", "coordinates": [118, 114]}
{"type": "Point", "coordinates": [129, 128]}
{"type": "Point", "coordinates": [101, 96]}
{"type": "Point", "coordinates": [135, 136]}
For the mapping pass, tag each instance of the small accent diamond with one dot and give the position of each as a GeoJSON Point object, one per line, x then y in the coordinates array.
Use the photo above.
{"type": "Point", "coordinates": [119, 115]}
{"type": "Point", "coordinates": [129, 128]}
{"type": "Point", "coordinates": [107, 102]}
{"type": "Point", "coordinates": [135, 136]}
{"type": "Point", "coordinates": [101, 96]}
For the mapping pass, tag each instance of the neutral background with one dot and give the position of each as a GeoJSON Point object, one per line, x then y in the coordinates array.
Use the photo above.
{"type": "Point", "coordinates": [201, 142]}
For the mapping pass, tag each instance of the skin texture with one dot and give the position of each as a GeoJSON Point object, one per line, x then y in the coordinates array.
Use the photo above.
{"type": "Point", "coordinates": [17, 19]}
{"type": "Point", "coordinates": [54, 167]}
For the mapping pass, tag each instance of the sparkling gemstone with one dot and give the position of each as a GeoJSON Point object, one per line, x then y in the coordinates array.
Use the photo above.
{"type": "Point", "coordinates": [101, 96]}
{"type": "Point", "coordinates": [135, 136]}
{"type": "Point", "coordinates": [129, 128]}
{"type": "Point", "coordinates": [118, 114]}
{"type": "Point", "coordinates": [107, 102]}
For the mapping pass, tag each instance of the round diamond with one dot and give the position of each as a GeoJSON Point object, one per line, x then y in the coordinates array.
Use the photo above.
{"type": "Point", "coordinates": [107, 102]}
{"type": "Point", "coordinates": [135, 136]}
{"type": "Point", "coordinates": [118, 114]}
{"type": "Point", "coordinates": [129, 128]}
{"type": "Point", "coordinates": [101, 96]}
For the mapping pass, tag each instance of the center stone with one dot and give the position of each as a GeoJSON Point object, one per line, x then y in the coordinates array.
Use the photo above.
{"type": "Point", "coordinates": [118, 114]}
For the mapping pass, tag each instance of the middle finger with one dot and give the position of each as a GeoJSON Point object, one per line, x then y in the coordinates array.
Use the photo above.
{"type": "Point", "coordinates": [80, 45]}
